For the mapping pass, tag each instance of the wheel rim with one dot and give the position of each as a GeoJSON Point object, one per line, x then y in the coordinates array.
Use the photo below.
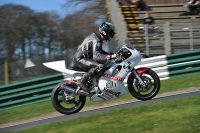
{"type": "Point", "coordinates": [148, 84]}
{"type": "Point", "coordinates": [150, 88]}
{"type": "Point", "coordinates": [64, 103]}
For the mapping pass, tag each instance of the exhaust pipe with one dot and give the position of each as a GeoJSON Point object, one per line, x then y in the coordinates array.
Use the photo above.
{"type": "Point", "coordinates": [72, 90]}
{"type": "Point", "coordinates": [69, 89]}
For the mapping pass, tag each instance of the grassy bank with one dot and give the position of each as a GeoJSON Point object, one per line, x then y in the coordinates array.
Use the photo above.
{"type": "Point", "coordinates": [176, 116]}
{"type": "Point", "coordinates": [27, 112]}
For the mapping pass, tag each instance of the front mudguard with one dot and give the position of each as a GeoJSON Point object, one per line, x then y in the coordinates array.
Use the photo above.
{"type": "Point", "coordinates": [139, 71]}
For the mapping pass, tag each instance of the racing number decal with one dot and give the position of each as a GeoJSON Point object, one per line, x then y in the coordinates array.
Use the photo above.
{"type": "Point", "coordinates": [127, 66]}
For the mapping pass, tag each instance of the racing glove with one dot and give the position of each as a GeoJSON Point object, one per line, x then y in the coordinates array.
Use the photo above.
{"type": "Point", "coordinates": [113, 56]}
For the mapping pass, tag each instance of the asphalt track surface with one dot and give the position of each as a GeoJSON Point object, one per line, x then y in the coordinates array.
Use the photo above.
{"type": "Point", "coordinates": [61, 117]}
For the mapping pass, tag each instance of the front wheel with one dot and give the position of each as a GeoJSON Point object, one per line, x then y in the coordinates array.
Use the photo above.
{"type": "Point", "coordinates": [62, 101]}
{"type": "Point", "coordinates": [147, 92]}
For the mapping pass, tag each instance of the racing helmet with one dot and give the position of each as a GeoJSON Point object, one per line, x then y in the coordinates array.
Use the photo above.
{"type": "Point", "coordinates": [107, 30]}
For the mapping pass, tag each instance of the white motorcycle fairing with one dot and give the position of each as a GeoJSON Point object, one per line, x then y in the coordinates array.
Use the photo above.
{"type": "Point", "coordinates": [60, 66]}
{"type": "Point", "coordinates": [110, 84]}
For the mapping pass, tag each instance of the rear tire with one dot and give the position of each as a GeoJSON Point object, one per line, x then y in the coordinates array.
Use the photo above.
{"type": "Point", "coordinates": [148, 93]}
{"type": "Point", "coordinates": [64, 106]}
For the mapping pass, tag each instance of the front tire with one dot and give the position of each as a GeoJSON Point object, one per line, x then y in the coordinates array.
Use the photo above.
{"type": "Point", "coordinates": [63, 105]}
{"type": "Point", "coordinates": [151, 81]}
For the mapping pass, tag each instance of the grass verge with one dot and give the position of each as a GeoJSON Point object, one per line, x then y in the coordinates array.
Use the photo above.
{"type": "Point", "coordinates": [41, 109]}
{"type": "Point", "coordinates": [176, 116]}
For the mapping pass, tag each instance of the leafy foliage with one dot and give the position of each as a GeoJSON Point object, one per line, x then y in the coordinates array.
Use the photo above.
{"type": "Point", "coordinates": [29, 34]}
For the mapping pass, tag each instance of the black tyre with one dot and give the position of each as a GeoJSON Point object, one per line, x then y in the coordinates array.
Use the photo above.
{"type": "Point", "coordinates": [151, 89]}
{"type": "Point", "coordinates": [64, 106]}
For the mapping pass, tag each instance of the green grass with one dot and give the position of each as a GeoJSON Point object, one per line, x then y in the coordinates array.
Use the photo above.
{"type": "Point", "coordinates": [176, 116]}
{"type": "Point", "coordinates": [34, 110]}
{"type": "Point", "coordinates": [174, 84]}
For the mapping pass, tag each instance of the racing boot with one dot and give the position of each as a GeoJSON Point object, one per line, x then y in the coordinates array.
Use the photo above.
{"type": "Point", "coordinates": [82, 83]}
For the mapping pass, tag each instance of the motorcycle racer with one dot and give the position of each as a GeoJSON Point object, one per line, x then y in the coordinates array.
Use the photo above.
{"type": "Point", "coordinates": [90, 56]}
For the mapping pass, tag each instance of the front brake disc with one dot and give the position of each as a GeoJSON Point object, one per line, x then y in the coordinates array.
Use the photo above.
{"type": "Point", "coordinates": [148, 84]}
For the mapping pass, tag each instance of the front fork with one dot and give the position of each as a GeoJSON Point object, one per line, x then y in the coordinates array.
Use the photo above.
{"type": "Point", "coordinates": [138, 73]}
{"type": "Point", "coordinates": [139, 78]}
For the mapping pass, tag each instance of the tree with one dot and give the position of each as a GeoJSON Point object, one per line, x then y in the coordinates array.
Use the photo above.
{"type": "Point", "coordinates": [14, 21]}
{"type": "Point", "coordinates": [76, 28]}
{"type": "Point", "coordinates": [27, 34]}
{"type": "Point", "coordinates": [94, 7]}
{"type": "Point", "coordinates": [46, 25]}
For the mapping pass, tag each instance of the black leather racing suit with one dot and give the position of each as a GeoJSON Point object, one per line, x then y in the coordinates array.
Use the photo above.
{"type": "Point", "coordinates": [90, 56]}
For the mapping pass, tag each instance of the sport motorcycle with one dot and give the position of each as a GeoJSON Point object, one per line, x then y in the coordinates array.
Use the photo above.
{"type": "Point", "coordinates": [142, 83]}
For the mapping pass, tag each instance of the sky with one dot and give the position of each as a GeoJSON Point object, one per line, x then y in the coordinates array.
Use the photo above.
{"type": "Point", "coordinates": [41, 5]}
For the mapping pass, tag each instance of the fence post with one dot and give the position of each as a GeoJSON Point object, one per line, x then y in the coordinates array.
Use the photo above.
{"type": "Point", "coordinates": [167, 38]}
{"type": "Point", "coordinates": [147, 38]}
{"type": "Point", "coordinates": [6, 76]}
{"type": "Point", "coordinates": [191, 36]}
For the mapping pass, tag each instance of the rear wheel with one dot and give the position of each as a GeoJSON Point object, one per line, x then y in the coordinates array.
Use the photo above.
{"type": "Point", "coordinates": [64, 103]}
{"type": "Point", "coordinates": [151, 88]}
